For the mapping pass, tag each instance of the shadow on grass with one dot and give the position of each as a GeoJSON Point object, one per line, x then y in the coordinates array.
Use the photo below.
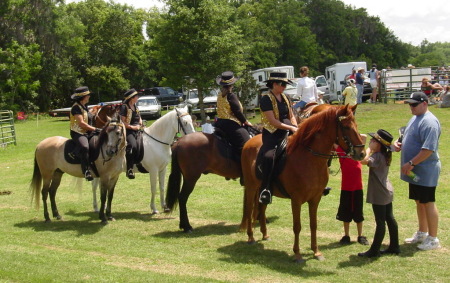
{"type": "Point", "coordinates": [88, 224]}
{"type": "Point", "coordinates": [256, 254]}
{"type": "Point", "coordinates": [357, 261]}
{"type": "Point", "coordinates": [207, 230]}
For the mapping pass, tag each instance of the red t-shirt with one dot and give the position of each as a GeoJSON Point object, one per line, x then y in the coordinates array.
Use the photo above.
{"type": "Point", "coordinates": [351, 172]}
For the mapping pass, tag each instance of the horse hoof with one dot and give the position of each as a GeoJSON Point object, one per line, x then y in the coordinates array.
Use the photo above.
{"type": "Point", "coordinates": [320, 257]}
{"type": "Point", "coordinates": [47, 221]}
{"type": "Point", "coordinates": [188, 230]}
{"type": "Point", "coordinates": [155, 212]}
{"type": "Point", "coordinates": [267, 238]}
{"type": "Point", "coordinates": [104, 222]}
{"type": "Point", "coordinates": [111, 218]}
{"type": "Point", "coordinates": [59, 217]}
{"type": "Point", "coordinates": [299, 260]}
{"type": "Point", "coordinates": [251, 242]}
{"type": "Point", "coordinates": [166, 210]}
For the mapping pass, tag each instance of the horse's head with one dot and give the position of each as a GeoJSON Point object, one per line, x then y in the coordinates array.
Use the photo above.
{"type": "Point", "coordinates": [185, 125]}
{"type": "Point", "coordinates": [114, 131]}
{"type": "Point", "coordinates": [348, 136]}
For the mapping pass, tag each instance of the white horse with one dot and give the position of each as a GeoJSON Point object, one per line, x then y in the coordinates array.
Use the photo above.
{"type": "Point", "coordinates": [158, 139]}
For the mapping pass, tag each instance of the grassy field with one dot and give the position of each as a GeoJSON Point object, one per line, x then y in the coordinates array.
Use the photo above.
{"type": "Point", "coordinates": [140, 247]}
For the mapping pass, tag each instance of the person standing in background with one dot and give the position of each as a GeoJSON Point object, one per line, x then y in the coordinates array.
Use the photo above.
{"type": "Point", "coordinates": [374, 76]}
{"type": "Point", "coordinates": [359, 78]}
{"type": "Point", "coordinates": [350, 93]}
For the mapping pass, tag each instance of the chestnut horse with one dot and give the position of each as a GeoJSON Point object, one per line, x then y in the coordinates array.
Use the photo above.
{"type": "Point", "coordinates": [50, 164]}
{"type": "Point", "coordinates": [305, 173]}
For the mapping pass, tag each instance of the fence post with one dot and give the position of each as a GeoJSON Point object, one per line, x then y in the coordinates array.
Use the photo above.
{"type": "Point", "coordinates": [7, 129]}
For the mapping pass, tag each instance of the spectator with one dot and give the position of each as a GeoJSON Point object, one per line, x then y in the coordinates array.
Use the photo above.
{"type": "Point", "coordinates": [208, 128]}
{"type": "Point", "coordinates": [307, 90]}
{"type": "Point", "coordinates": [429, 88]}
{"type": "Point", "coordinates": [360, 84]}
{"type": "Point", "coordinates": [350, 93]}
{"type": "Point", "coordinates": [374, 76]}
{"type": "Point", "coordinates": [419, 148]}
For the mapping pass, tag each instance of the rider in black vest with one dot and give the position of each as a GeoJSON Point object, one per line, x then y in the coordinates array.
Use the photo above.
{"type": "Point", "coordinates": [80, 127]}
{"type": "Point", "coordinates": [230, 117]}
{"type": "Point", "coordinates": [129, 113]}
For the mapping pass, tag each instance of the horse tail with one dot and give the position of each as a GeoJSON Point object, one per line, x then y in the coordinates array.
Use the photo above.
{"type": "Point", "coordinates": [174, 183]}
{"type": "Point", "coordinates": [36, 185]}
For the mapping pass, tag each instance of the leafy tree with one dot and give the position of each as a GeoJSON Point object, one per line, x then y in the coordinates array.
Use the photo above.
{"type": "Point", "coordinates": [19, 67]}
{"type": "Point", "coordinates": [196, 39]}
{"type": "Point", "coordinates": [107, 82]}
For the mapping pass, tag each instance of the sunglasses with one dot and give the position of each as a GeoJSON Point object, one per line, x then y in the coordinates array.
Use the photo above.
{"type": "Point", "coordinates": [414, 104]}
{"type": "Point", "coordinates": [283, 84]}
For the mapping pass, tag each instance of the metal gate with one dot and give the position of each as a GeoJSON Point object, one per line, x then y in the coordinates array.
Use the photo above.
{"type": "Point", "coordinates": [7, 129]}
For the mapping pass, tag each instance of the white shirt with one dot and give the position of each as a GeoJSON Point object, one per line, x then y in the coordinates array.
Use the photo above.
{"type": "Point", "coordinates": [307, 90]}
{"type": "Point", "coordinates": [207, 128]}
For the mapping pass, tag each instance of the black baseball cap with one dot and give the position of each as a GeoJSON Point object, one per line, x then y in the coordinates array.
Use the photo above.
{"type": "Point", "coordinates": [417, 97]}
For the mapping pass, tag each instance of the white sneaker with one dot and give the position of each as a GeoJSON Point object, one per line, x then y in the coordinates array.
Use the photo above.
{"type": "Point", "coordinates": [430, 243]}
{"type": "Point", "coordinates": [418, 237]}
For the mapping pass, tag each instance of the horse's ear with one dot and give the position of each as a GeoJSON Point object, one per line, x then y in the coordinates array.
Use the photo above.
{"type": "Point", "coordinates": [353, 108]}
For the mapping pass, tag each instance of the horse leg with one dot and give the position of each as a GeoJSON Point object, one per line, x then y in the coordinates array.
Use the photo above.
{"type": "Point", "coordinates": [247, 217]}
{"type": "Point", "coordinates": [313, 205]}
{"type": "Point", "coordinates": [296, 210]}
{"type": "Point", "coordinates": [162, 193]}
{"type": "Point", "coordinates": [56, 181]}
{"type": "Point", "coordinates": [186, 190]}
{"type": "Point", "coordinates": [95, 183]}
{"type": "Point", "coordinates": [101, 214]}
{"type": "Point", "coordinates": [111, 187]}
{"type": "Point", "coordinates": [152, 175]}
{"type": "Point", "coordinates": [44, 193]}
{"type": "Point", "coordinates": [262, 221]}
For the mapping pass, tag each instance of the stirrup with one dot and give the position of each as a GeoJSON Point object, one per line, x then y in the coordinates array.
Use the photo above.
{"type": "Point", "coordinates": [265, 197]}
{"type": "Point", "coordinates": [130, 174]}
{"type": "Point", "coordinates": [88, 175]}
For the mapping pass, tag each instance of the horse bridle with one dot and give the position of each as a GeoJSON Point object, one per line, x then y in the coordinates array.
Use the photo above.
{"type": "Point", "coordinates": [180, 125]}
{"type": "Point", "coordinates": [115, 124]}
{"type": "Point", "coordinates": [350, 147]}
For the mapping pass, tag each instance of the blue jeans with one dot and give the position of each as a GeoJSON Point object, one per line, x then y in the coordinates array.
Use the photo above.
{"type": "Point", "coordinates": [360, 89]}
{"type": "Point", "coordinates": [300, 104]}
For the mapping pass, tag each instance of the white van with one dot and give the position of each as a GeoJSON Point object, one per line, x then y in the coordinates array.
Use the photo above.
{"type": "Point", "coordinates": [336, 78]}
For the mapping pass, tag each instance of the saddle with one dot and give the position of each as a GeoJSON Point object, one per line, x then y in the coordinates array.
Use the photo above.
{"type": "Point", "coordinates": [226, 149]}
{"type": "Point", "coordinates": [71, 152]}
{"type": "Point", "coordinates": [140, 150]}
{"type": "Point", "coordinates": [307, 110]}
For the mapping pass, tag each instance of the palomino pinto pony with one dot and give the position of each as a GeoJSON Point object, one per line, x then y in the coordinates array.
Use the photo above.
{"type": "Point", "coordinates": [50, 164]}
{"type": "Point", "coordinates": [305, 172]}
{"type": "Point", "coordinates": [157, 140]}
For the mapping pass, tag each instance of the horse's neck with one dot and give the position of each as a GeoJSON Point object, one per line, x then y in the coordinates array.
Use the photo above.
{"type": "Point", "coordinates": [164, 129]}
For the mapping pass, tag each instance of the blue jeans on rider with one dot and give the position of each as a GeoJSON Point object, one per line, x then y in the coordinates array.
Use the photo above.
{"type": "Point", "coordinates": [300, 104]}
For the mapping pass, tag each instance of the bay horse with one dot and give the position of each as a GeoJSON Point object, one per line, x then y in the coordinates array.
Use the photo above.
{"type": "Point", "coordinates": [192, 156]}
{"type": "Point", "coordinates": [305, 172]}
{"type": "Point", "coordinates": [50, 164]}
{"type": "Point", "coordinates": [157, 140]}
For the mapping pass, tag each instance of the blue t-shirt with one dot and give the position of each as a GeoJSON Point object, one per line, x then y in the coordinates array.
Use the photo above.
{"type": "Point", "coordinates": [359, 79]}
{"type": "Point", "coordinates": [422, 132]}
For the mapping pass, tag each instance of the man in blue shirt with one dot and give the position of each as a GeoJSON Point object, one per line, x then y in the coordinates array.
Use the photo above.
{"type": "Point", "coordinates": [420, 155]}
{"type": "Point", "coordinates": [359, 84]}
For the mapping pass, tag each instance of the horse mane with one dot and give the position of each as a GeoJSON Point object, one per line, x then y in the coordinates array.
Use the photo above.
{"type": "Point", "coordinates": [307, 130]}
{"type": "Point", "coordinates": [159, 125]}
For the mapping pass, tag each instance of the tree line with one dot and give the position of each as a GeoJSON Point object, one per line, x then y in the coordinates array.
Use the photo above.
{"type": "Point", "coordinates": [48, 47]}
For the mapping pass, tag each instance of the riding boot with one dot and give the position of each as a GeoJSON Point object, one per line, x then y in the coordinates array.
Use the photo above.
{"type": "Point", "coordinates": [85, 169]}
{"type": "Point", "coordinates": [129, 157]}
{"type": "Point", "coordinates": [265, 195]}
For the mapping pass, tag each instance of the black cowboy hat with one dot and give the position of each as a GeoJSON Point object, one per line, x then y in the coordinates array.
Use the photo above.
{"type": "Point", "coordinates": [80, 92]}
{"type": "Point", "coordinates": [278, 77]}
{"type": "Point", "coordinates": [129, 94]}
{"type": "Point", "coordinates": [226, 78]}
{"type": "Point", "coordinates": [383, 137]}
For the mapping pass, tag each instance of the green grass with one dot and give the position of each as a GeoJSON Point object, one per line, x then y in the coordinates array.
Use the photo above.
{"type": "Point", "coordinates": [141, 247]}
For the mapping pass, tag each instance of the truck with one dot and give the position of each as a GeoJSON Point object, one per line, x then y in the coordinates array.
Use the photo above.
{"type": "Point", "coordinates": [165, 95]}
{"type": "Point", "coordinates": [261, 75]}
{"type": "Point", "coordinates": [336, 76]}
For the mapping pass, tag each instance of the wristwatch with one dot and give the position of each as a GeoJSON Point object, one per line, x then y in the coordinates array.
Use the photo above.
{"type": "Point", "coordinates": [411, 163]}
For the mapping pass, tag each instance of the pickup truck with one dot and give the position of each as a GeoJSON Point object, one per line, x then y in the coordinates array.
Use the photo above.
{"type": "Point", "coordinates": [209, 101]}
{"type": "Point", "coordinates": [165, 95]}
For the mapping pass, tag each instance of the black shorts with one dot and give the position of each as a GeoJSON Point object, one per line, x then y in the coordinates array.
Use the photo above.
{"type": "Point", "coordinates": [351, 206]}
{"type": "Point", "coordinates": [421, 193]}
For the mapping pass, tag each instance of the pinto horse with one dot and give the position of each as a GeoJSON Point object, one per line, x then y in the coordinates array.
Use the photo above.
{"type": "Point", "coordinates": [50, 164]}
{"type": "Point", "coordinates": [305, 172]}
{"type": "Point", "coordinates": [192, 156]}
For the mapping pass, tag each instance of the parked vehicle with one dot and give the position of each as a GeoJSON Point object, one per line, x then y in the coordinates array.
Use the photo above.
{"type": "Point", "coordinates": [165, 95]}
{"type": "Point", "coordinates": [209, 101]}
{"type": "Point", "coordinates": [261, 75]}
{"type": "Point", "coordinates": [321, 83]}
{"type": "Point", "coordinates": [149, 106]}
{"type": "Point", "coordinates": [65, 112]}
{"type": "Point", "coordinates": [336, 77]}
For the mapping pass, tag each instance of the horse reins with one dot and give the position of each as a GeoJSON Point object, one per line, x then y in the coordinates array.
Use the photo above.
{"type": "Point", "coordinates": [350, 146]}
{"type": "Point", "coordinates": [180, 125]}
{"type": "Point", "coordinates": [115, 124]}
